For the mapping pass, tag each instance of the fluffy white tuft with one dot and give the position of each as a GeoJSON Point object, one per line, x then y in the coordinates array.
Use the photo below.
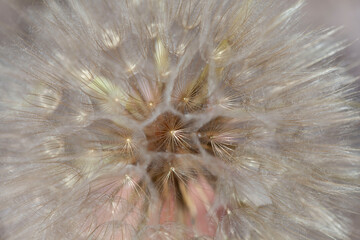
{"type": "Point", "coordinates": [177, 119]}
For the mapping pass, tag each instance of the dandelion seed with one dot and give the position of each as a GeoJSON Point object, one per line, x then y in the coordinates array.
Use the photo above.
{"type": "Point", "coordinates": [111, 39]}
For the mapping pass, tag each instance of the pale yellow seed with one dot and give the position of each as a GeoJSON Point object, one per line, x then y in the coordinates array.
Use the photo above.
{"type": "Point", "coordinates": [222, 52]}
{"type": "Point", "coordinates": [161, 58]}
{"type": "Point", "coordinates": [107, 90]}
{"type": "Point", "coordinates": [110, 38]}
{"type": "Point", "coordinates": [86, 74]}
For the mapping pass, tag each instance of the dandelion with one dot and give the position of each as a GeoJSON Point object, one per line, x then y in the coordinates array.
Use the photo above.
{"type": "Point", "coordinates": [189, 119]}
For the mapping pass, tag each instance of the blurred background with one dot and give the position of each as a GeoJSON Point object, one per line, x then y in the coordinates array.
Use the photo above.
{"type": "Point", "coordinates": [344, 13]}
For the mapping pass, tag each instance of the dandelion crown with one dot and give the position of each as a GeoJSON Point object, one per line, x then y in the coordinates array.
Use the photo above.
{"type": "Point", "coordinates": [177, 119]}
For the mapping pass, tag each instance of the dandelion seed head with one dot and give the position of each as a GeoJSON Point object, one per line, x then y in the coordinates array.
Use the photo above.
{"type": "Point", "coordinates": [178, 120]}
